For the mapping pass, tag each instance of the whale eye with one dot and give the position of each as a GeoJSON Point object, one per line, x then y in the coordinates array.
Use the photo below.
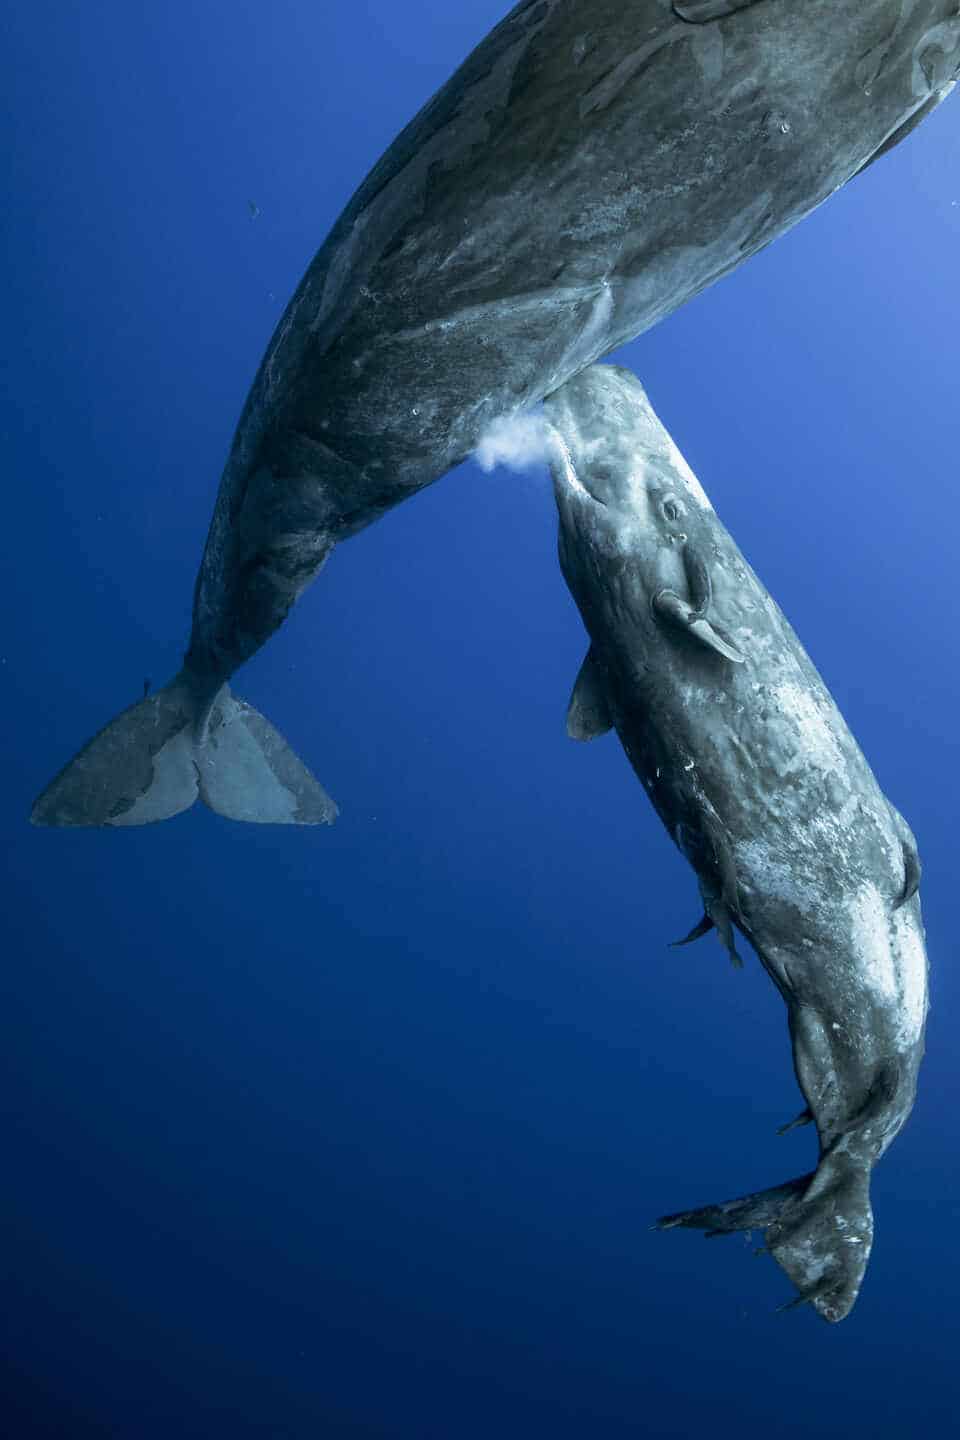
{"type": "Point", "coordinates": [671, 509]}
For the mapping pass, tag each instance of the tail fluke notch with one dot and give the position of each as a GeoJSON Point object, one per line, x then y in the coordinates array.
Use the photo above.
{"type": "Point", "coordinates": [155, 758]}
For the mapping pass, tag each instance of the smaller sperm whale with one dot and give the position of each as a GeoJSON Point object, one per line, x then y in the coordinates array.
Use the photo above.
{"type": "Point", "coordinates": [755, 775]}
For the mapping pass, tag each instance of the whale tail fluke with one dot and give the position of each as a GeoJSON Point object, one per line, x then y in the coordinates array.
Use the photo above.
{"type": "Point", "coordinates": [247, 771]}
{"type": "Point", "coordinates": [819, 1229]}
{"type": "Point", "coordinates": [157, 757]}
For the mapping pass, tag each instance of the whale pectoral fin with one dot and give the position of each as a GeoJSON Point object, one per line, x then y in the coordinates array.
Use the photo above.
{"type": "Point", "coordinates": [708, 636]}
{"type": "Point", "coordinates": [699, 12]}
{"type": "Point", "coordinates": [702, 927]}
{"type": "Point", "coordinates": [912, 869]}
{"type": "Point", "coordinates": [675, 610]}
{"type": "Point", "coordinates": [588, 714]}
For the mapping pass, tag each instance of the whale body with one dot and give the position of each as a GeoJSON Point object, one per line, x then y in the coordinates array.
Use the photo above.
{"type": "Point", "coordinates": [758, 780]}
{"type": "Point", "coordinates": [590, 167]}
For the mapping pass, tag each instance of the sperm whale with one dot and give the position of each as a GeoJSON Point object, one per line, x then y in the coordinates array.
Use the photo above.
{"type": "Point", "coordinates": [590, 167]}
{"type": "Point", "coordinates": [756, 777]}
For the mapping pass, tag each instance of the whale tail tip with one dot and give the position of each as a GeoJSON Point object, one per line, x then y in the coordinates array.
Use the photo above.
{"type": "Point", "coordinates": [159, 756]}
{"type": "Point", "coordinates": [819, 1229]}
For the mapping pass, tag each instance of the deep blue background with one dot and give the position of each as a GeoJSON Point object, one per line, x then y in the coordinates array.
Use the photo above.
{"type": "Point", "coordinates": [359, 1132]}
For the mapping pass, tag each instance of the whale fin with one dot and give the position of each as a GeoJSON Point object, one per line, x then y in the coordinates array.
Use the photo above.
{"type": "Point", "coordinates": [670, 606]}
{"type": "Point", "coordinates": [588, 714]}
{"type": "Point", "coordinates": [708, 636]}
{"type": "Point", "coordinates": [703, 927]}
{"type": "Point", "coordinates": [699, 12]}
{"type": "Point", "coordinates": [155, 759]}
{"type": "Point", "coordinates": [247, 771]}
{"type": "Point", "coordinates": [719, 913]}
{"type": "Point", "coordinates": [819, 1229]}
{"type": "Point", "coordinates": [720, 891]}
{"type": "Point", "coordinates": [804, 1118]}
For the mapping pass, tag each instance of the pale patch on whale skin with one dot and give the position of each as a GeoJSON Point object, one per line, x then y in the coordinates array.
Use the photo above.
{"type": "Point", "coordinates": [803, 715]}
{"type": "Point", "coordinates": [891, 960]}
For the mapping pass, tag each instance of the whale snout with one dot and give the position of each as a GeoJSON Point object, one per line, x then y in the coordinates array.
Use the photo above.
{"type": "Point", "coordinates": [597, 419]}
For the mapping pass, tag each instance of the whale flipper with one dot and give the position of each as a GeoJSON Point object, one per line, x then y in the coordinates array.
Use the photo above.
{"type": "Point", "coordinates": [691, 615]}
{"type": "Point", "coordinates": [588, 714]}
{"type": "Point", "coordinates": [156, 758]}
{"type": "Point", "coordinates": [673, 609]}
{"type": "Point", "coordinates": [719, 912]}
{"type": "Point", "coordinates": [702, 927]}
{"type": "Point", "coordinates": [805, 1117]}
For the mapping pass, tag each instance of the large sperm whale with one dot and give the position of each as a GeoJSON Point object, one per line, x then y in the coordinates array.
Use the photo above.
{"type": "Point", "coordinates": [752, 770]}
{"type": "Point", "coordinates": [591, 166]}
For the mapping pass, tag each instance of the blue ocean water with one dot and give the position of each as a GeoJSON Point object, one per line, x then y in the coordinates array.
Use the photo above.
{"type": "Point", "coordinates": [359, 1132]}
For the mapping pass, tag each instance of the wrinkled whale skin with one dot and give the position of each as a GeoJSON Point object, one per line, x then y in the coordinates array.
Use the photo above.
{"type": "Point", "coordinates": [757, 778]}
{"type": "Point", "coordinates": [590, 167]}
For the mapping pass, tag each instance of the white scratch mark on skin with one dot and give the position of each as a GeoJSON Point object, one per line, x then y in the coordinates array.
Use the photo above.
{"type": "Point", "coordinates": [609, 87]}
{"type": "Point", "coordinates": [562, 452]}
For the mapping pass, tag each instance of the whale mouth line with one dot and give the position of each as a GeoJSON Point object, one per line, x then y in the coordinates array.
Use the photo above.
{"type": "Point", "coordinates": [569, 471]}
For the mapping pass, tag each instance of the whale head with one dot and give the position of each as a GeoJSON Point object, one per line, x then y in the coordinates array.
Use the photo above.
{"type": "Point", "coordinates": [638, 536]}
{"type": "Point", "coordinates": [625, 495]}
{"type": "Point", "coordinates": [610, 452]}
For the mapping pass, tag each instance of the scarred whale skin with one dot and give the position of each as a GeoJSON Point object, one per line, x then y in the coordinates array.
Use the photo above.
{"type": "Point", "coordinates": [754, 773]}
{"type": "Point", "coordinates": [591, 166]}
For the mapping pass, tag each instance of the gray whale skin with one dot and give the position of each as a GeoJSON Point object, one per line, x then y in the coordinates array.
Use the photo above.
{"type": "Point", "coordinates": [591, 166]}
{"type": "Point", "coordinates": [752, 770]}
